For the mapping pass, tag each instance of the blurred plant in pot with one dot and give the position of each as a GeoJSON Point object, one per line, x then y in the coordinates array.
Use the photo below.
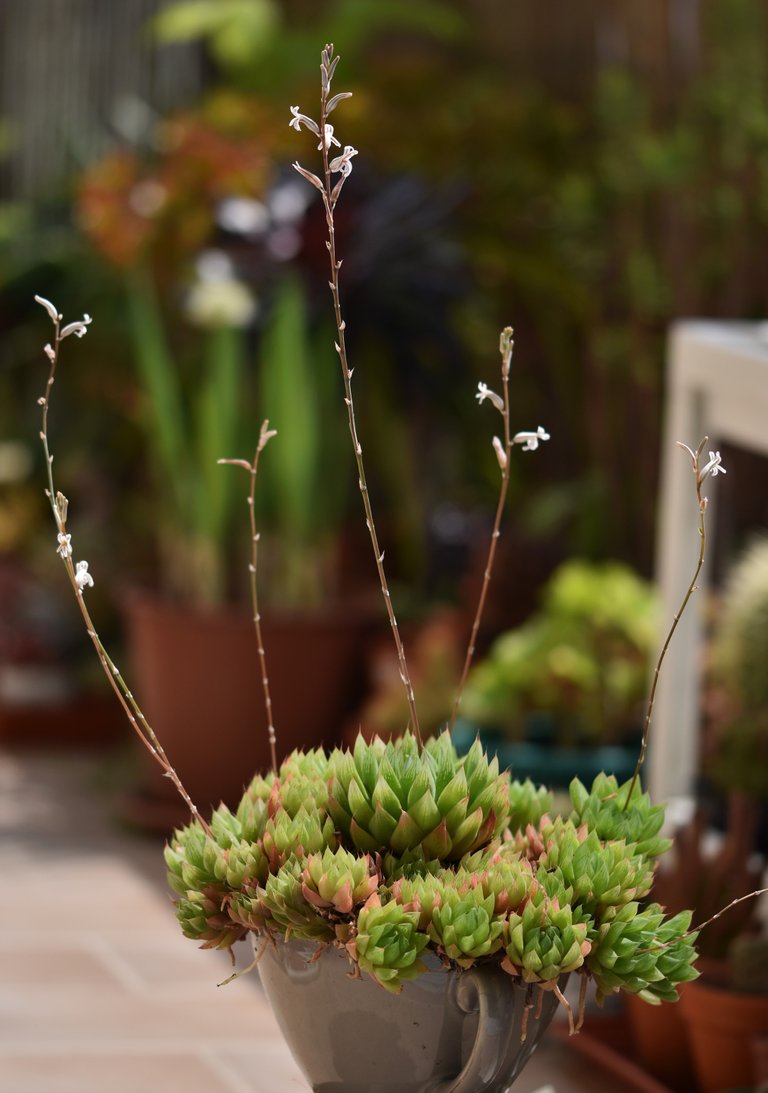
{"type": "Point", "coordinates": [582, 660]}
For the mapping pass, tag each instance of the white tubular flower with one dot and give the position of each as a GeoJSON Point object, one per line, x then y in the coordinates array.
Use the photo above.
{"type": "Point", "coordinates": [53, 311]}
{"type": "Point", "coordinates": [329, 140]}
{"type": "Point", "coordinates": [300, 119]}
{"type": "Point", "coordinates": [531, 441]}
{"type": "Point", "coordinates": [713, 467]}
{"type": "Point", "coordinates": [343, 163]}
{"type": "Point", "coordinates": [79, 328]}
{"type": "Point", "coordinates": [82, 576]}
{"type": "Point", "coordinates": [501, 454]}
{"type": "Point", "coordinates": [65, 545]}
{"type": "Point", "coordinates": [484, 392]}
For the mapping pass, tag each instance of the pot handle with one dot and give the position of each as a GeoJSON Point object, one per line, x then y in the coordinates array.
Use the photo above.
{"type": "Point", "coordinates": [497, 1036]}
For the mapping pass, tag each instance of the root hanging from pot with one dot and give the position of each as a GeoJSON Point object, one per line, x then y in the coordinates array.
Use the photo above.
{"type": "Point", "coordinates": [244, 971]}
{"type": "Point", "coordinates": [567, 1007]}
{"type": "Point", "coordinates": [582, 1002]}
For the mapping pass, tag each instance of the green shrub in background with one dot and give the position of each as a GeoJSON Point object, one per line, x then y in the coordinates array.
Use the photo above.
{"type": "Point", "coordinates": [582, 659]}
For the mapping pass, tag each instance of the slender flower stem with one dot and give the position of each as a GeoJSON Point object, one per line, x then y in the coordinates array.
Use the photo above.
{"type": "Point", "coordinates": [708, 922]}
{"type": "Point", "coordinates": [329, 200]}
{"type": "Point", "coordinates": [264, 435]}
{"type": "Point", "coordinates": [507, 347]}
{"type": "Point", "coordinates": [702, 504]}
{"type": "Point", "coordinates": [132, 710]}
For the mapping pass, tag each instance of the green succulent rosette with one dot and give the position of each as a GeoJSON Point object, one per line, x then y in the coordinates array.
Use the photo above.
{"type": "Point", "coordinates": [603, 811]}
{"type": "Point", "coordinates": [205, 919]}
{"type": "Point", "coordinates": [421, 894]}
{"type": "Point", "coordinates": [509, 882]}
{"type": "Point", "coordinates": [595, 876]}
{"type": "Point", "coordinates": [644, 953]}
{"type": "Point", "coordinates": [337, 881]}
{"type": "Point", "coordinates": [528, 803]}
{"type": "Point", "coordinates": [396, 797]}
{"type": "Point", "coordinates": [464, 926]}
{"type": "Point", "coordinates": [302, 834]}
{"type": "Point", "coordinates": [302, 783]}
{"type": "Point", "coordinates": [544, 941]}
{"type": "Point", "coordinates": [387, 943]}
{"type": "Point", "coordinates": [286, 908]}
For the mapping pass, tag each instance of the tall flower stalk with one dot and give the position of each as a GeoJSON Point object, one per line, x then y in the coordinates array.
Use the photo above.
{"type": "Point", "coordinates": [265, 435]}
{"type": "Point", "coordinates": [711, 468]}
{"type": "Point", "coordinates": [79, 576]}
{"type": "Point", "coordinates": [530, 442]}
{"type": "Point", "coordinates": [341, 165]}
{"type": "Point", "coordinates": [330, 191]}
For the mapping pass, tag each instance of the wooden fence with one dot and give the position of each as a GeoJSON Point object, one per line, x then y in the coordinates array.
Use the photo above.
{"type": "Point", "coordinates": [73, 74]}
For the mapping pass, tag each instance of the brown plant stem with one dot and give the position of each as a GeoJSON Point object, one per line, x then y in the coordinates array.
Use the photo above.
{"type": "Point", "coordinates": [264, 435]}
{"type": "Point", "coordinates": [702, 503]}
{"type": "Point", "coordinates": [495, 534]}
{"type": "Point", "coordinates": [329, 201]}
{"type": "Point", "coordinates": [708, 922]}
{"type": "Point", "coordinates": [131, 707]}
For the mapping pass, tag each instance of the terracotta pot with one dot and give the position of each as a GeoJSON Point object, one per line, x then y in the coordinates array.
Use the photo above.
{"type": "Point", "coordinates": [446, 1032]}
{"type": "Point", "coordinates": [722, 1025]}
{"type": "Point", "coordinates": [660, 1042]}
{"type": "Point", "coordinates": [197, 678]}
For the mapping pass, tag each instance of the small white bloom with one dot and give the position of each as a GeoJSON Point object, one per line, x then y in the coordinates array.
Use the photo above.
{"type": "Point", "coordinates": [300, 119]}
{"type": "Point", "coordinates": [50, 353]}
{"type": "Point", "coordinates": [343, 163]}
{"type": "Point", "coordinates": [82, 576]}
{"type": "Point", "coordinates": [713, 467]}
{"type": "Point", "coordinates": [330, 139]}
{"type": "Point", "coordinates": [65, 545]}
{"type": "Point", "coordinates": [501, 454]}
{"type": "Point", "coordinates": [79, 327]}
{"type": "Point", "coordinates": [531, 441]}
{"type": "Point", "coordinates": [484, 392]}
{"type": "Point", "coordinates": [49, 307]}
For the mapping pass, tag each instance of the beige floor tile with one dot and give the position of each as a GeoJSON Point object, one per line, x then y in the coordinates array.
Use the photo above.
{"type": "Point", "coordinates": [75, 1072]}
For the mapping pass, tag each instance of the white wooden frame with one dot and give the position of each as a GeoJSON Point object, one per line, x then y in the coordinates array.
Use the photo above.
{"type": "Point", "coordinates": [717, 386]}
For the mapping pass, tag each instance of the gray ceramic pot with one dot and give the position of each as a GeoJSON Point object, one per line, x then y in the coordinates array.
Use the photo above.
{"type": "Point", "coordinates": [447, 1032]}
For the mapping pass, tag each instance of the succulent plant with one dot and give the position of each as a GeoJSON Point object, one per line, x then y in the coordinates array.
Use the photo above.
{"type": "Point", "coordinates": [508, 881]}
{"type": "Point", "coordinates": [465, 926]}
{"type": "Point", "coordinates": [387, 943]}
{"type": "Point", "coordinates": [603, 811]}
{"type": "Point", "coordinates": [421, 894]}
{"type": "Point", "coordinates": [527, 804]}
{"type": "Point", "coordinates": [641, 952]}
{"type": "Point", "coordinates": [301, 834]}
{"type": "Point", "coordinates": [544, 942]}
{"type": "Point", "coordinates": [596, 875]}
{"type": "Point", "coordinates": [286, 906]}
{"type": "Point", "coordinates": [397, 797]}
{"type": "Point", "coordinates": [337, 881]}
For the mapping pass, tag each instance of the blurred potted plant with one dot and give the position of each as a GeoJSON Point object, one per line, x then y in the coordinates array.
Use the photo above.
{"type": "Point", "coordinates": [564, 691]}
{"type": "Point", "coordinates": [430, 875]}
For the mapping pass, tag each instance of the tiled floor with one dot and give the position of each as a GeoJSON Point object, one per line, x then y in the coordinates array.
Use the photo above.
{"type": "Point", "coordinates": [100, 993]}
